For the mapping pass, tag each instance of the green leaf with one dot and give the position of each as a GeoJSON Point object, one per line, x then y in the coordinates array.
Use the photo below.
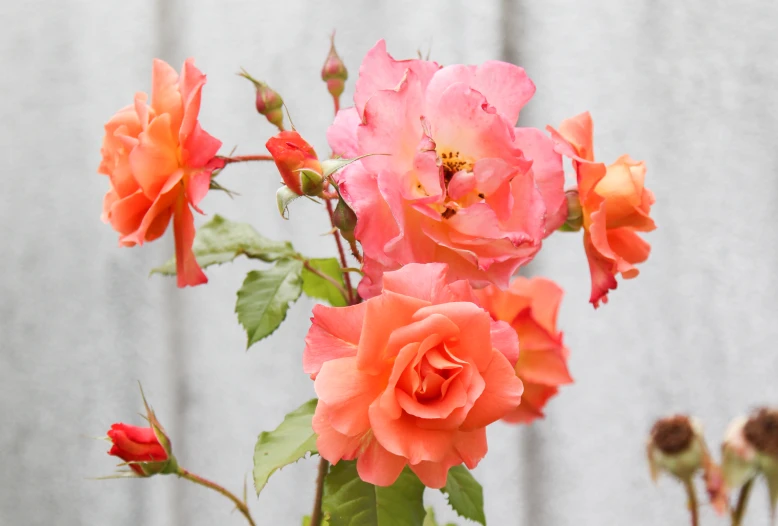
{"type": "Point", "coordinates": [286, 444]}
{"type": "Point", "coordinates": [307, 521]}
{"type": "Point", "coordinates": [265, 296]}
{"type": "Point", "coordinates": [349, 501]}
{"type": "Point", "coordinates": [465, 494]}
{"type": "Point", "coordinates": [319, 288]}
{"type": "Point", "coordinates": [220, 241]}
{"type": "Point", "coordinates": [430, 519]}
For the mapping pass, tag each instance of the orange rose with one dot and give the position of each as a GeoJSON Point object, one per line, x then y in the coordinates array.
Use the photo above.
{"type": "Point", "coordinates": [410, 377]}
{"type": "Point", "coordinates": [530, 306]}
{"type": "Point", "coordinates": [159, 162]}
{"type": "Point", "coordinates": [615, 206]}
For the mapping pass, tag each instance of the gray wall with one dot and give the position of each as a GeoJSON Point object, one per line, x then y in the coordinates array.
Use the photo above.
{"type": "Point", "coordinates": [692, 87]}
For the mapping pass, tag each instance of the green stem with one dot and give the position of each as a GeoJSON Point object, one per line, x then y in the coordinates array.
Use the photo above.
{"type": "Point", "coordinates": [316, 514]}
{"type": "Point", "coordinates": [742, 502]}
{"type": "Point", "coordinates": [694, 507]}
{"type": "Point", "coordinates": [197, 479]}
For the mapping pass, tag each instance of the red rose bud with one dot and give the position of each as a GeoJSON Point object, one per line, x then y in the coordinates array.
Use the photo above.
{"type": "Point", "coordinates": [334, 73]}
{"type": "Point", "coordinates": [141, 449]}
{"type": "Point", "coordinates": [292, 156]}
{"type": "Point", "coordinates": [269, 103]}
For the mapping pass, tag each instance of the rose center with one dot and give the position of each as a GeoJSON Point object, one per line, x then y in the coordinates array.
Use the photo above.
{"type": "Point", "coordinates": [435, 371]}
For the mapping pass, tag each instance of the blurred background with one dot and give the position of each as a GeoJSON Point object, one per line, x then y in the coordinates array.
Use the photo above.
{"type": "Point", "coordinates": [691, 87]}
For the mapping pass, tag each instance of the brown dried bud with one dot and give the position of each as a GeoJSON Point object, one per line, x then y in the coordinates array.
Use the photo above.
{"type": "Point", "coordinates": [676, 447]}
{"type": "Point", "coordinates": [761, 430]}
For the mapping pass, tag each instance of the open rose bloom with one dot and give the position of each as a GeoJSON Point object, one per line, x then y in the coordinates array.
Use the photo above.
{"type": "Point", "coordinates": [458, 183]}
{"type": "Point", "coordinates": [616, 205]}
{"type": "Point", "coordinates": [159, 162]}
{"type": "Point", "coordinates": [531, 306]}
{"type": "Point", "coordinates": [410, 377]}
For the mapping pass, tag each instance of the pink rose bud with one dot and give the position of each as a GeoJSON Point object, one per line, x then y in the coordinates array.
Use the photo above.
{"type": "Point", "coordinates": [269, 103]}
{"type": "Point", "coordinates": [334, 73]}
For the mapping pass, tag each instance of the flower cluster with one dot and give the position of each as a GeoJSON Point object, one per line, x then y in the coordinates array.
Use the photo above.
{"type": "Point", "coordinates": [442, 199]}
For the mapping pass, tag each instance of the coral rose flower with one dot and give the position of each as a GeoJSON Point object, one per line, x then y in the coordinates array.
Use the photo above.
{"type": "Point", "coordinates": [138, 445]}
{"type": "Point", "coordinates": [615, 205]}
{"type": "Point", "coordinates": [292, 153]}
{"type": "Point", "coordinates": [410, 377]}
{"type": "Point", "coordinates": [459, 183]}
{"type": "Point", "coordinates": [531, 306]}
{"type": "Point", "coordinates": [160, 161]}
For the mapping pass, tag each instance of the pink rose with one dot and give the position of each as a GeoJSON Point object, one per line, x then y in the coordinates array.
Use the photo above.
{"type": "Point", "coordinates": [410, 377]}
{"type": "Point", "coordinates": [159, 162]}
{"type": "Point", "coordinates": [461, 184]}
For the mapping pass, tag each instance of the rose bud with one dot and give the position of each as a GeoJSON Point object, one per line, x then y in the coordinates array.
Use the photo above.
{"type": "Point", "coordinates": [751, 448]}
{"type": "Point", "coordinates": [345, 220]}
{"type": "Point", "coordinates": [297, 161]}
{"type": "Point", "coordinates": [139, 447]}
{"type": "Point", "coordinates": [676, 447]}
{"type": "Point", "coordinates": [269, 103]}
{"type": "Point", "coordinates": [146, 450]}
{"type": "Point", "coordinates": [334, 73]}
{"type": "Point", "coordinates": [574, 220]}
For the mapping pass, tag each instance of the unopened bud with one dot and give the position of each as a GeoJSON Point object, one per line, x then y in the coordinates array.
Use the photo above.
{"type": "Point", "coordinates": [268, 102]}
{"type": "Point", "coordinates": [334, 73]}
{"type": "Point", "coordinates": [676, 447]}
{"type": "Point", "coordinates": [345, 220]}
{"type": "Point", "coordinates": [311, 182]}
{"type": "Point", "coordinates": [574, 220]}
{"type": "Point", "coordinates": [293, 155]}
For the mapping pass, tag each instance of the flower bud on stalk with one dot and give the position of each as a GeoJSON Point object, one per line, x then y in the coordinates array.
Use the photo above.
{"type": "Point", "coordinates": [750, 449]}
{"type": "Point", "coordinates": [146, 450]}
{"type": "Point", "coordinates": [345, 220]}
{"type": "Point", "coordinates": [574, 220]}
{"type": "Point", "coordinates": [297, 162]}
{"type": "Point", "coordinates": [269, 103]}
{"type": "Point", "coordinates": [334, 73]}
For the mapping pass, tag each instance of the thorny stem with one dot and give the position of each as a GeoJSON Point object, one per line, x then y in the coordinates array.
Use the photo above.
{"type": "Point", "coordinates": [693, 504]}
{"type": "Point", "coordinates": [742, 502]}
{"type": "Point", "coordinates": [316, 514]}
{"type": "Point", "coordinates": [342, 254]}
{"type": "Point", "coordinates": [245, 158]}
{"type": "Point", "coordinates": [324, 276]}
{"type": "Point", "coordinates": [239, 504]}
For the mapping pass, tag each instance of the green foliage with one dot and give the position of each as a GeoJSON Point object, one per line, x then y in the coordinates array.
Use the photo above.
{"type": "Point", "coordinates": [289, 442]}
{"type": "Point", "coordinates": [465, 494]}
{"type": "Point", "coordinates": [430, 519]}
{"type": "Point", "coordinates": [349, 501]}
{"type": "Point", "coordinates": [220, 241]}
{"type": "Point", "coordinates": [319, 288]}
{"type": "Point", "coordinates": [264, 298]}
